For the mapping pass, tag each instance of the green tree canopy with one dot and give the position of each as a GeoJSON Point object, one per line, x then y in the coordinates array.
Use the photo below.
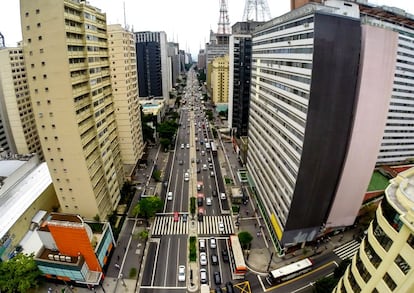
{"type": "Point", "coordinates": [325, 285]}
{"type": "Point", "coordinates": [148, 206]}
{"type": "Point", "coordinates": [19, 274]}
{"type": "Point", "coordinates": [167, 129]}
{"type": "Point", "coordinates": [245, 238]}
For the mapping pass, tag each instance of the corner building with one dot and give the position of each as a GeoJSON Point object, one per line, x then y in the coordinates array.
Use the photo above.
{"type": "Point", "coordinates": [384, 262]}
{"type": "Point", "coordinates": [66, 50]}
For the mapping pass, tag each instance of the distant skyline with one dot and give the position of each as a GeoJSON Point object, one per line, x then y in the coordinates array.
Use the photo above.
{"type": "Point", "coordinates": [187, 22]}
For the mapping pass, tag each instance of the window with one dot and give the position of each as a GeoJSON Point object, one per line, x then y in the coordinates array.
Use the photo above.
{"type": "Point", "coordinates": [402, 264]}
{"type": "Point", "coordinates": [41, 50]}
{"type": "Point", "coordinates": [380, 235]}
{"type": "Point", "coordinates": [27, 27]}
{"type": "Point", "coordinates": [389, 281]}
{"type": "Point", "coordinates": [29, 40]}
{"type": "Point", "coordinates": [37, 11]}
{"type": "Point", "coordinates": [371, 254]}
{"type": "Point", "coordinates": [44, 76]}
{"type": "Point", "coordinates": [410, 241]}
{"type": "Point", "coordinates": [39, 38]}
{"type": "Point", "coordinates": [32, 65]}
{"type": "Point", "coordinates": [38, 24]}
{"type": "Point", "coordinates": [26, 14]}
{"type": "Point", "coordinates": [43, 63]}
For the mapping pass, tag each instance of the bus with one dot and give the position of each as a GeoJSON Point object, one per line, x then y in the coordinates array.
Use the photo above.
{"type": "Point", "coordinates": [213, 148]}
{"type": "Point", "coordinates": [237, 264]}
{"type": "Point", "coordinates": [289, 271]}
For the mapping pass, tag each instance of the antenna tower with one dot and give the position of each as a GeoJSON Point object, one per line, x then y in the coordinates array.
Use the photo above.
{"type": "Point", "coordinates": [2, 43]}
{"type": "Point", "coordinates": [223, 23]}
{"type": "Point", "coordinates": [256, 10]}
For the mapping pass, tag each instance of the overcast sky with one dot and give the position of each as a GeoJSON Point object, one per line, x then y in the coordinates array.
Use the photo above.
{"type": "Point", "coordinates": [187, 22]}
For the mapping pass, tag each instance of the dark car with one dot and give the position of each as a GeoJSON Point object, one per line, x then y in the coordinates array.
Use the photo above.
{"type": "Point", "coordinates": [180, 162]}
{"type": "Point", "coordinates": [225, 255]}
{"type": "Point", "coordinates": [214, 193]}
{"type": "Point", "coordinates": [184, 216]}
{"type": "Point", "coordinates": [218, 290]}
{"type": "Point", "coordinates": [229, 287]}
{"type": "Point", "coordinates": [217, 278]}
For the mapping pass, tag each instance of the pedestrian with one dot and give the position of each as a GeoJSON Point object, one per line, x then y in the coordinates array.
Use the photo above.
{"type": "Point", "coordinates": [117, 266]}
{"type": "Point", "coordinates": [255, 225]}
{"type": "Point", "coordinates": [258, 234]}
{"type": "Point", "coordinates": [117, 257]}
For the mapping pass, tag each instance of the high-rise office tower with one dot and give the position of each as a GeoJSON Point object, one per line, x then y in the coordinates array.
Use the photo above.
{"type": "Point", "coordinates": [66, 50]}
{"type": "Point", "coordinates": [152, 64]}
{"type": "Point", "coordinates": [240, 59]}
{"type": "Point", "coordinates": [220, 80]}
{"type": "Point", "coordinates": [174, 61]}
{"type": "Point", "coordinates": [384, 261]}
{"type": "Point", "coordinates": [310, 119]}
{"type": "Point", "coordinates": [125, 95]}
{"type": "Point", "coordinates": [20, 132]}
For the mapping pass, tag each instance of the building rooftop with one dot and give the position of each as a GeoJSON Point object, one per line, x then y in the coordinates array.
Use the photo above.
{"type": "Point", "coordinates": [21, 195]}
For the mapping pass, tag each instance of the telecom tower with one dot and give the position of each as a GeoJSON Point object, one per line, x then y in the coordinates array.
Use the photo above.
{"type": "Point", "coordinates": [2, 43]}
{"type": "Point", "coordinates": [256, 10]}
{"type": "Point", "coordinates": [224, 23]}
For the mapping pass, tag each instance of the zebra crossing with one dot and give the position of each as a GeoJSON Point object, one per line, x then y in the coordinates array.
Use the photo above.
{"type": "Point", "coordinates": [347, 250]}
{"type": "Point", "coordinates": [210, 225]}
{"type": "Point", "coordinates": [165, 225]}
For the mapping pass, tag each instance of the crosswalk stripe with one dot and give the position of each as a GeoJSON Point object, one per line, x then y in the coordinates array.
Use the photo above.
{"type": "Point", "coordinates": [347, 250]}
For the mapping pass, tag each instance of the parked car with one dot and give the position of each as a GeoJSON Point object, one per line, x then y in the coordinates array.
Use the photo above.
{"type": "Point", "coordinates": [203, 258]}
{"type": "Point", "coordinates": [181, 273]}
{"type": "Point", "coordinates": [170, 195]}
{"type": "Point", "coordinates": [225, 255]}
{"type": "Point", "coordinates": [203, 276]}
{"type": "Point", "coordinates": [213, 243]}
{"type": "Point", "coordinates": [214, 259]}
{"type": "Point", "coordinates": [202, 244]}
{"type": "Point", "coordinates": [217, 278]}
{"type": "Point", "coordinates": [229, 287]}
{"type": "Point", "coordinates": [208, 201]}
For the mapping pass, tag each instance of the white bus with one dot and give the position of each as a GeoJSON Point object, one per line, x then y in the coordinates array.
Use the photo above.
{"type": "Point", "coordinates": [237, 264]}
{"type": "Point", "coordinates": [290, 271]}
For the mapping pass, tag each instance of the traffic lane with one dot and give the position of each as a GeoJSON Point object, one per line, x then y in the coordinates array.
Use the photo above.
{"type": "Point", "coordinates": [226, 275]}
{"type": "Point", "coordinates": [165, 266]}
{"type": "Point", "coordinates": [302, 283]}
{"type": "Point", "coordinates": [148, 269]}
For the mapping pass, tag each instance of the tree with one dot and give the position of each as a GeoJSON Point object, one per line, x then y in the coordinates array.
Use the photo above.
{"type": "Point", "coordinates": [147, 207]}
{"type": "Point", "coordinates": [165, 143]}
{"type": "Point", "coordinates": [19, 274]}
{"type": "Point", "coordinates": [245, 238]}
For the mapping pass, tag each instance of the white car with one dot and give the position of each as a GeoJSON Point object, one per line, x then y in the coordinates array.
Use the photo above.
{"type": "Point", "coordinates": [181, 273]}
{"type": "Point", "coordinates": [208, 201]}
{"type": "Point", "coordinates": [186, 177]}
{"type": "Point", "coordinates": [213, 243]}
{"type": "Point", "coordinates": [203, 258]}
{"type": "Point", "coordinates": [170, 195]}
{"type": "Point", "coordinates": [188, 145]}
{"type": "Point", "coordinates": [182, 145]}
{"type": "Point", "coordinates": [204, 166]}
{"type": "Point", "coordinates": [221, 226]}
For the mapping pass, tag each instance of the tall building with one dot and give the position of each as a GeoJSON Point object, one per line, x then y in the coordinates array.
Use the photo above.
{"type": "Point", "coordinates": [174, 57]}
{"type": "Point", "coordinates": [152, 64]}
{"type": "Point", "coordinates": [220, 80]}
{"type": "Point", "coordinates": [384, 262]}
{"type": "Point", "coordinates": [20, 134]}
{"type": "Point", "coordinates": [70, 87]}
{"type": "Point", "coordinates": [125, 95]}
{"type": "Point", "coordinates": [240, 60]}
{"type": "Point", "coordinates": [311, 91]}
{"type": "Point", "coordinates": [201, 59]}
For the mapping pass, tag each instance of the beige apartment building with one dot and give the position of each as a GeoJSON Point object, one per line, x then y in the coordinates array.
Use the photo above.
{"type": "Point", "coordinates": [384, 262]}
{"type": "Point", "coordinates": [125, 95]}
{"type": "Point", "coordinates": [220, 79]}
{"type": "Point", "coordinates": [66, 50]}
{"type": "Point", "coordinates": [16, 108]}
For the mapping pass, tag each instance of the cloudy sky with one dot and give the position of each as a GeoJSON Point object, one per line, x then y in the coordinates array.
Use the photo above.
{"type": "Point", "coordinates": [187, 22]}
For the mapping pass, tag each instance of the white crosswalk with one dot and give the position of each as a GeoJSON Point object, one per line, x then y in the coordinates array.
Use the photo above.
{"type": "Point", "coordinates": [210, 225]}
{"type": "Point", "coordinates": [165, 225]}
{"type": "Point", "coordinates": [347, 250]}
